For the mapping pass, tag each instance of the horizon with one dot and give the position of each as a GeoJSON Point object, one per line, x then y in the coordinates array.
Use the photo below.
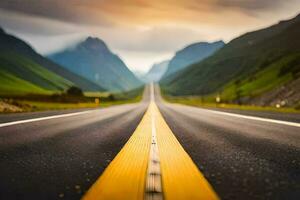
{"type": "Point", "coordinates": [140, 43]}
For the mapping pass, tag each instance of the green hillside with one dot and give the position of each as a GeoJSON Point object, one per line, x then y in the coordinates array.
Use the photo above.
{"type": "Point", "coordinates": [12, 85]}
{"type": "Point", "coordinates": [247, 66]}
{"type": "Point", "coordinates": [15, 53]}
{"type": "Point", "coordinates": [276, 74]}
{"type": "Point", "coordinates": [20, 75]}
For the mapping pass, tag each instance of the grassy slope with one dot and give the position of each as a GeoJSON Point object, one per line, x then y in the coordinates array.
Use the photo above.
{"type": "Point", "coordinates": [195, 101]}
{"type": "Point", "coordinates": [39, 106]}
{"type": "Point", "coordinates": [273, 76]}
{"type": "Point", "coordinates": [12, 85]}
{"type": "Point", "coordinates": [132, 96]}
{"type": "Point", "coordinates": [21, 74]}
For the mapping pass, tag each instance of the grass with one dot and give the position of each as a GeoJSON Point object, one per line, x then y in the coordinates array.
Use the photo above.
{"type": "Point", "coordinates": [263, 81]}
{"type": "Point", "coordinates": [26, 105]}
{"type": "Point", "coordinates": [198, 102]}
{"type": "Point", "coordinates": [119, 95]}
{"type": "Point", "coordinates": [131, 94]}
{"type": "Point", "coordinates": [30, 106]}
{"type": "Point", "coordinates": [20, 75]}
{"type": "Point", "coordinates": [96, 94]}
{"type": "Point", "coordinates": [12, 85]}
{"type": "Point", "coordinates": [39, 106]}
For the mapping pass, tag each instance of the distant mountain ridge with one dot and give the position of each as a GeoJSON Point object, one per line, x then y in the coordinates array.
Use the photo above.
{"type": "Point", "coordinates": [156, 71]}
{"type": "Point", "coordinates": [191, 54]}
{"type": "Point", "coordinates": [93, 60]}
{"type": "Point", "coordinates": [247, 68]}
{"type": "Point", "coordinates": [20, 65]}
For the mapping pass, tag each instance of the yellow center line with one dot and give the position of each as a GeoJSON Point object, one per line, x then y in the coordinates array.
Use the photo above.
{"type": "Point", "coordinates": [126, 176]}
{"type": "Point", "coordinates": [153, 181]}
{"type": "Point", "coordinates": [180, 176]}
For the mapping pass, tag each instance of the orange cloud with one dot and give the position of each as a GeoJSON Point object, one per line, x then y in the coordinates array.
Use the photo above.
{"type": "Point", "coordinates": [138, 12]}
{"type": "Point", "coordinates": [145, 28]}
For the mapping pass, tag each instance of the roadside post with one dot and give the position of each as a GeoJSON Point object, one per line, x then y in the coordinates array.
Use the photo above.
{"type": "Point", "coordinates": [97, 101]}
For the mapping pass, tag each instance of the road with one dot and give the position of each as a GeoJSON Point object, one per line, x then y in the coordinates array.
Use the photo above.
{"type": "Point", "coordinates": [241, 158]}
{"type": "Point", "coordinates": [60, 158]}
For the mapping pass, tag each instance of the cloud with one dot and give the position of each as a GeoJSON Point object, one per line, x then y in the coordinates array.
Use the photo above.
{"type": "Point", "coordinates": [112, 12]}
{"type": "Point", "coordinates": [157, 38]}
{"type": "Point", "coordinates": [34, 25]}
{"type": "Point", "coordinates": [140, 30]}
{"type": "Point", "coordinates": [74, 11]}
{"type": "Point", "coordinates": [251, 5]}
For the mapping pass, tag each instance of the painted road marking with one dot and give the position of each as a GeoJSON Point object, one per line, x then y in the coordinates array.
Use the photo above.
{"type": "Point", "coordinates": [180, 176]}
{"type": "Point", "coordinates": [44, 118]}
{"type": "Point", "coordinates": [255, 118]}
{"type": "Point", "coordinates": [126, 175]}
{"type": "Point", "coordinates": [153, 182]}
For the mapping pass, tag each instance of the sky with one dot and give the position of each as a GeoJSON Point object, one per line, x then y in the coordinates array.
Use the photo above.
{"type": "Point", "coordinates": [141, 32]}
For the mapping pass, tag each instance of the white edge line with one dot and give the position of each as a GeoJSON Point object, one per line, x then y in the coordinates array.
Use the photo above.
{"type": "Point", "coordinates": [248, 117]}
{"type": "Point", "coordinates": [256, 118]}
{"type": "Point", "coordinates": [43, 118]}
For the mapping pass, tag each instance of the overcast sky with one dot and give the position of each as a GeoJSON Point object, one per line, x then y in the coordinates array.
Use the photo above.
{"type": "Point", "coordinates": [141, 32]}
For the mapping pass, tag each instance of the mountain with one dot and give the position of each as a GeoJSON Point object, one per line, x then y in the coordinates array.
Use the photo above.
{"type": "Point", "coordinates": [248, 67]}
{"type": "Point", "coordinates": [192, 54]}
{"type": "Point", "coordinates": [93, 60]}
{"type": "Point", "coordinates": [20, 75]}
{"type": "Point", "coordinates": [19, 63]}
{"type": "Point", "coordinates": [139, 74]}
{"type": "Point", "coordinates": [156, 71]}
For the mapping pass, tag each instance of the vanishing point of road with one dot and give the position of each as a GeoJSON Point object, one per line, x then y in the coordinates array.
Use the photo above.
{"type": "Point", "coordinates": [150, 150]}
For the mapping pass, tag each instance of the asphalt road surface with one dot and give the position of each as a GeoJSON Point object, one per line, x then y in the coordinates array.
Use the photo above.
{"type": "Point", "coordinates": [241, 158]}
{"type": "Point", "coordinates": [61, 158]}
